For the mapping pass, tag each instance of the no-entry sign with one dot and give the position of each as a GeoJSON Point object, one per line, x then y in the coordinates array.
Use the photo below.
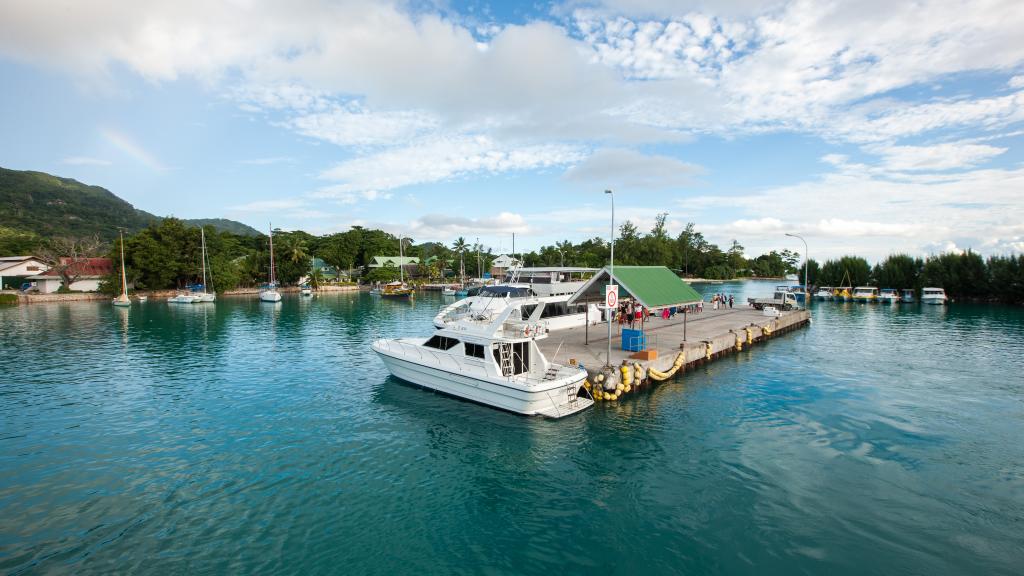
{"type": "Point", "coordinates": [611, 295]}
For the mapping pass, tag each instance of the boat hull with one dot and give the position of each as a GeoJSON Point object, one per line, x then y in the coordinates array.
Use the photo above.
{"type": "Point", "coordinates": [206, 298]}
{"type": "Point", "coordinates": [933, 301]}
{"type": "Point", "coordinates": [538, 400]}
{"type": "Point", "coordinates": [270, 296]}
{"type": "Point", "coordinates": [180, 299]}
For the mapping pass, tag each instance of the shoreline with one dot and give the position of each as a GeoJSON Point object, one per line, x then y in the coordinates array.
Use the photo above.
{"type": "Point", "coordinates": [155, 294]}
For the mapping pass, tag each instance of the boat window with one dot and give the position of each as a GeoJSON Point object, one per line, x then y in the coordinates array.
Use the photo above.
{"type": "Point", "coordinates": [441, 342]}
{"type": "Point", "coordinates": [474, 350]}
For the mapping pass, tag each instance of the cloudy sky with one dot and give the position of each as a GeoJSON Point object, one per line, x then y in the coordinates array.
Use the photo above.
{"type": "Point", "coordinates": [869, 127]}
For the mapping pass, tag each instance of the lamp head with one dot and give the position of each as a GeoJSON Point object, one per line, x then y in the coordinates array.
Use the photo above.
{"type": "Point", "coordinates": [607, 191]}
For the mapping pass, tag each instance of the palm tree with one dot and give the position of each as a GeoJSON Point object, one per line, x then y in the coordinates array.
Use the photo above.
{"type": "Point", "coordinates": [294, 249]}
{"type": "Point", "coordinates": [461, 246]}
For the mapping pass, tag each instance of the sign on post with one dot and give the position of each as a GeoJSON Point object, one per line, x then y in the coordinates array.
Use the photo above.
{"type": "Point", "coordinates": [611, 296]}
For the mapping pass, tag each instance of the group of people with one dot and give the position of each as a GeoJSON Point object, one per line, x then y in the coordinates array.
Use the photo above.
{"type": "Point", "coordinates": [632, 312]}
{"type": "Point", "coordinates": [721, 301]}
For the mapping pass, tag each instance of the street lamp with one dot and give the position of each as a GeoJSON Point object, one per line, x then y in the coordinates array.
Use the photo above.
{"type": "Point", "coordinates": [611, 273]}
{"type": "Point", "coordinates": [807, 288]}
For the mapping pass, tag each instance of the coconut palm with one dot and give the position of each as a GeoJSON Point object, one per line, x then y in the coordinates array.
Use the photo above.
{"type": "Point", "coordinates": [461, 246]}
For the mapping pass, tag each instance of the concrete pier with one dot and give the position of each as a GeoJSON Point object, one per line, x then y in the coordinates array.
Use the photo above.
{"type": "Point", "coordinates": [719, 328]}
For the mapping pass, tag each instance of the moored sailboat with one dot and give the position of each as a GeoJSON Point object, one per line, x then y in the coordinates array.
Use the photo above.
{"type": "Point", "coordinates": [205, 295]}
{"type": "Point", "coordinates": [399, 289]}
{"type": "Point", "coordinates": [270, 293]}
{"type": "Point", "coordinates": [122, 298]}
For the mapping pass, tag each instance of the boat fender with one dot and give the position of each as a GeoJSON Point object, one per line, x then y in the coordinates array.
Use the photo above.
{"type": "Point", "coordinates": [739, 343]}
{"type": "Point", "coordinates": [707, 350]}
{"type": "Point", "coordinates": [750, 336]}
{"type": "Point", "coordinates": [627, 376]}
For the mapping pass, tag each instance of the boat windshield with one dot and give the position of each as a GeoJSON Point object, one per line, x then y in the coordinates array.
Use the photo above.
{"type": "Point", "coordinates": [502, 291]}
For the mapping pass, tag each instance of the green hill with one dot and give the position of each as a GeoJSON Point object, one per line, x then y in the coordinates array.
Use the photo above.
{"type": "Point", "coordinates": [51, 206]}
{"type": "Point", "coordinates": [44, 206]}
{"type": "Point", "coordinates": [225, 225]}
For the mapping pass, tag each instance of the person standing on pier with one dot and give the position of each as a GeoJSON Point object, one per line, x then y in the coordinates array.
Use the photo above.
{"type": "Point", "coordinates": [730, 300]}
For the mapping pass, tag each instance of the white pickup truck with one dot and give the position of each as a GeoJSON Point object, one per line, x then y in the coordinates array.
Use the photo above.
{"type": "Point", "coordinates": [780, 300]}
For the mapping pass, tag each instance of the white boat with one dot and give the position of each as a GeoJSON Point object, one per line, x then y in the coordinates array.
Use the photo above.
{"type": "Point", "coordinates": [552, 286]}
{"type": "Point", "coordinates": [824, 293]}
{"type": "Point", "coordinates": [491, 358]}
{"type": "Point", "coordinates": [888, 296]}
{"type": "Point", "coordinates": [306, 291]}
{"type": "Point", "coordinates": [142, 298]}
{"type": "Point", "coordinates": [183, 298]}
{"type": "Point", "coordinates": [934, 296]}
{"type": "Point", "coordinates": [907, 295]}
{"type": "Point", "coordinates": [270, 293]}
{"type": "Point", "coordinates": [448, 291]}
{"type": "Point", "coordinates": [122, 298]}
{"type": "Point", "coordinates": [205, 296]}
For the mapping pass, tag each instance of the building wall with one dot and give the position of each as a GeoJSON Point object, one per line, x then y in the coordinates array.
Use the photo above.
{"type": "Point", "coordinates": [47, 286]}
{"type": "Point", "coordinates": [86, 285]}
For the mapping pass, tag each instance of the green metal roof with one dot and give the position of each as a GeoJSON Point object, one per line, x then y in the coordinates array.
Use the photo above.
{"type": "Point", "coordinates": [652, 286]}
{"type": "Point", "coordinates": [381, 261]}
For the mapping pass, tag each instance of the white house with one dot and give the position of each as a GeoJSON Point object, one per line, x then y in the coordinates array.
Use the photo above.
{"type": "Point", "coordinates": [502, 264]}
{"type": "Point", "coordinates": [13, 269]}
{"type": "Point", "coordinates": [90, 271]}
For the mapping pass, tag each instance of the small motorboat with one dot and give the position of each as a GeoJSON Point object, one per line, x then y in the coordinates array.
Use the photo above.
{"type": "Point", "coordinates": [142, 298]}
{"type": "Point", "coordinates": [907, 295]}
{"type": "Point", "coordinates": [306, 291]}
{"type": "Point", "coordinates": [888, 296]}
{"type": "Point", "coordinates": [933, 296]}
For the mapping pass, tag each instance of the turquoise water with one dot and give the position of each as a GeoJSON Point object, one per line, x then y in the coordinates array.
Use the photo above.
{"type": "Point", "coordinates": [254, 438]}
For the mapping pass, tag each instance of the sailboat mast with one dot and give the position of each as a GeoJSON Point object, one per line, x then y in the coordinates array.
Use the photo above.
{"type": "Point", "coordinates": [272, 278]}
{"type": "Point", "coordinates": [124, 278]}
{"type": "Point", "coordinates": [202, 235]}
{"type": "Point", "coordinates": [401, 257]}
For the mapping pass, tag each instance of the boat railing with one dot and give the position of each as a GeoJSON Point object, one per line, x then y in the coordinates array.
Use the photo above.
{"type": "Point", "coordinates": [524, 328]}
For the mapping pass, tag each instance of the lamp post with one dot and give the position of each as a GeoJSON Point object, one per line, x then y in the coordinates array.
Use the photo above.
{"type": "Point", "coordinates": [807, 289]}
{"type": "Point", "coordinates": [562, 254]}
{"type": "Point", "coordinates": [611, 274]}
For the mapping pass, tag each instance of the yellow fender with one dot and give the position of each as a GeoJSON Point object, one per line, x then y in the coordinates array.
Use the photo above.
{"type": "Point", "coordinates": [739, 343]}
{"type": "Point", "coordinates": [750, 336]}
{"type": "Point", "coordinates": [627, 375]}
{"type": "Point", "coordinates": [707, 350]}
{"type": "Point", "coordinates": [766, 330]}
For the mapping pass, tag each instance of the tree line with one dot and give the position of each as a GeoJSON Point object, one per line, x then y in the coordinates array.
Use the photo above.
{"type": "Point", "coordinates": [166, 254]}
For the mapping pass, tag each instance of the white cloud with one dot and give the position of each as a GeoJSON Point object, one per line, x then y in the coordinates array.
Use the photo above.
{"type": "Point", "coordinates": [618, 168]}
{"type": "Point", "coordinates": [440, 159]}
{"type": "Point", "coordinates": [443, 226]}
{"type": "Point", "coordinates": [937, 157]}
{"type": "Point", "coordinates": [353, 125]}
{"type": "Point", "coordinates": [1016, 82]}
{"type": "Point", "coordinates": [85, 161]}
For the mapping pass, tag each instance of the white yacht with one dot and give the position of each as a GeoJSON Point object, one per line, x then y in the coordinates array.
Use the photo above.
{"type": "Point", "coordinates": [552, 286]}
{"type": "Point", "coordinates": [492, 358]}
{"type": "Point", "coordinates": [936, 296]}
{"type": "Point", "coordinates": [824, 293]}
{"type": "Point", "coordinates": [269, 293]}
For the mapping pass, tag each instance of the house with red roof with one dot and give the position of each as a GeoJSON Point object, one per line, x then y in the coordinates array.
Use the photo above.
{"type": "Point", "coordinates": [86, 274]}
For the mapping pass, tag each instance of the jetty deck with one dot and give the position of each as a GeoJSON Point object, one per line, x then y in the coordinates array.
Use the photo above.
{"type": "Point", "coordinates": [719, 328]}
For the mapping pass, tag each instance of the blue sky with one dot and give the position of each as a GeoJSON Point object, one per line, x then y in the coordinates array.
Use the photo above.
{"type": "Point", "coordinates": [867, 127]}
